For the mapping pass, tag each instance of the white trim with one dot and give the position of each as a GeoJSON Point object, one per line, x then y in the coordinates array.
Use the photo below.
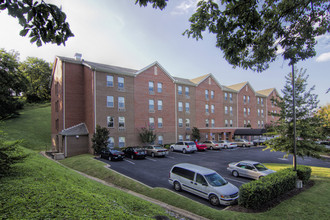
{"type": "Point", "coordinates": [65, 146]}
{"type": "Point", "coordinates": [154, 64]}
{"type": "Point", "coordinates": [176, 114]}
{"type": "Point", "coordinates": [63, 92]}
{"type": "Point", "coordinates": [94, 85]}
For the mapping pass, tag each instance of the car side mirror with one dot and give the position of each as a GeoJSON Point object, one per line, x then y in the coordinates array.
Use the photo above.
{"type": "Point", "coordinates": [205, 184]}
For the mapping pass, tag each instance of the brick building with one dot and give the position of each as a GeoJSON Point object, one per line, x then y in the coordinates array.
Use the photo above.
{"type": "Point", "coordinates": [85, 94]}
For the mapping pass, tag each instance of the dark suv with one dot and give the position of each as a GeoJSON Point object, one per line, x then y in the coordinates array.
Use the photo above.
{"type": "Point", "coordinates": [135, 152]}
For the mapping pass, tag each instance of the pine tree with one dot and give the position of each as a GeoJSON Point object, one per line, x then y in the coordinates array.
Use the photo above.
{"type": "Point", "coordinates": [307, 124]}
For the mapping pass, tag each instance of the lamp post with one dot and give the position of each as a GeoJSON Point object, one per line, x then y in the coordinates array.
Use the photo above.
{"type": "Point", "coordinates": [294, 120]}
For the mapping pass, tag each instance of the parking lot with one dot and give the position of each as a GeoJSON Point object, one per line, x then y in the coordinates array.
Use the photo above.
{"type": "Point", "coordinates": [154, 172]}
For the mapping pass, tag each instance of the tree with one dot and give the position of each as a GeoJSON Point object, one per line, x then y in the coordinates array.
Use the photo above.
{"type": "Point", "coordinates": [100, 139]}
{"type": "Point", "coordinates": [44, 22]}
{"type": "Point", "coordinates": [147, 135]}
{"type": "Point", "coordinates": [38, 73]}
{"type": "Point", "coordinates": [307, 126]}
{"type": "Point", "coordinates": [324, 114]}
{"type": "Point", "coordinates": [195, 134]}
{"type": "Point", "coordinates": [12, 83]}
{"type": "Point", "coordinates": [251, 33]}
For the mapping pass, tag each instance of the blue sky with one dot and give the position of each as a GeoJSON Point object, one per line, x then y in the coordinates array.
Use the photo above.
{"type": "Point", "coordinates": [121, 33]}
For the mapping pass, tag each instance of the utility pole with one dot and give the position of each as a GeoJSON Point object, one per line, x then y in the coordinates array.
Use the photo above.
{"type": "Point", "coordinates": [294, 120]}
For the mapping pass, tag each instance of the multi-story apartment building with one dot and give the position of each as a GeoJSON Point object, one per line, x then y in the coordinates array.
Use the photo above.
{"type": "Point", "coordinates": [86, 94]}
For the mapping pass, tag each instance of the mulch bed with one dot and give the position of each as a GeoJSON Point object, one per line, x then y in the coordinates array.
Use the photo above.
{"type": "Point", "coordinates": [273, 203]}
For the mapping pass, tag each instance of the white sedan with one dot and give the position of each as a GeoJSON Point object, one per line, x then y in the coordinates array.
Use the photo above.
{"type": "Point", "coordinates": [250, 169]}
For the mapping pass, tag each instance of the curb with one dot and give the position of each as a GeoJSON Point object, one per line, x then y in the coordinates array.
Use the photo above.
{"type": "Point", "coordinates": [180, 212]}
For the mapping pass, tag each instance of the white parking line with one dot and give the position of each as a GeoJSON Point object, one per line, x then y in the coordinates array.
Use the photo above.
{"type": "Point", "coordinates": [129, 161]}
{"type": "Point", "coordinates": [151, 159]}
{"type": "Point", "coordinates": [170, 157]}
{"type": "Point", "coordinates": [235, 180]}
{"type": "Point", "coordinates": [282, 158]}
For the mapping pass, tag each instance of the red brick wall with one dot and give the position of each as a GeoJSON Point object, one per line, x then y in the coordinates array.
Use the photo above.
{"type": "Point", "coordinates": [247, 91]}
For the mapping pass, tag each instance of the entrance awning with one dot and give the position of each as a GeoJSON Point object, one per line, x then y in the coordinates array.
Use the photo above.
{"type": "Point", "coordinates": [249, 132]}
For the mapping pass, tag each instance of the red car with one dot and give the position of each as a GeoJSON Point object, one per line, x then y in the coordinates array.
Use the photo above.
{"type": "Point", "coordinates": [200, 146]}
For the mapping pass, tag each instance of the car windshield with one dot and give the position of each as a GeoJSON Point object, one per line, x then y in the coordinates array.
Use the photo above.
{"type": "Point", "coordinates": [260, 167]}
{"type": "Point", "coordinates": [190, 143]}
{"type": "Point", "coordinates": [215, 179]}
{"type": "Point", "coordinates": [158, 147]}
{"type": "Point", "coordinates": [114, 151]}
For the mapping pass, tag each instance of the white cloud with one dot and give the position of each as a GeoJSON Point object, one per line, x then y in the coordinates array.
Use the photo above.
{"type": "Point", "coordinates": [324, 57]}
{"type": "Point", "coordinates": [185, 7]}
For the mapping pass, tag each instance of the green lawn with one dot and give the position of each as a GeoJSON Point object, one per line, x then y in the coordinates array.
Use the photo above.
{"type": "Point", "coordinates": [43, 189]}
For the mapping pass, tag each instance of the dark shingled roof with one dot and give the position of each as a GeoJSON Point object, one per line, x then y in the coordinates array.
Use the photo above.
{"type": "Point", "coordinates": [79, 129]}
{"type": "Point", "coordinates": [251, 132]}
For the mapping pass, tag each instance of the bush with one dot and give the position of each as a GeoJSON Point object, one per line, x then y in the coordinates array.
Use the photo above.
{"type": "Point", "coordinates": [303, 173]}
{"type": "Point", "coordinates": [256, 193]}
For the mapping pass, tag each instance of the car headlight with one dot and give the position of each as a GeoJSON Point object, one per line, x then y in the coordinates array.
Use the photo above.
{"type": "Point", "coordinates": [225, 197]}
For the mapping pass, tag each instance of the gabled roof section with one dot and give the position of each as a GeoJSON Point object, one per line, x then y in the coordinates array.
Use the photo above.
{"type": "Point", "coordinates": [184, 81]}
{"type": "Point", "coordinates": [79, 129]}
{"type": "Point", "coordinates": [227, 89]}
{"type": "Point", "coordinates": [267, 92]}
{"type": "Point", "coordinates": [160, 66]}
{"type": "Point", "coordinates": [201, 79]}
{"type": "Point", "coordinates": [238, 87]}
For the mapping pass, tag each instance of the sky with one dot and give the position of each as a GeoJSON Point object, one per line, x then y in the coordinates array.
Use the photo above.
{"type": "Point", "coordinates": [123, 34]}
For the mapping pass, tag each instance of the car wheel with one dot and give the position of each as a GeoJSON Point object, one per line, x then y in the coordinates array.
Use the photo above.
{"type": "Point", "coordinates": [152, 154]}
{"type": "Point", "coordinates": [235, 173]}
{"type": "Point", "coordinates": [243, 145]}
{"type": "Point", "coordinates": [177, 186]}
{"type": "Point", "coordinates": [184, 151]}
{"type": "Point", "coordinates": [132, 156]}
{"type": "Point", "coordinates": [226, 146]}
{"type": "Point", "coordinates": [214, 200]}
{"type": "Point", "coordinates": [110, 158]}
{"type": "Point", "coordinates": [172, 149]}
{"type": "Point", "coordinates": [211, 148]}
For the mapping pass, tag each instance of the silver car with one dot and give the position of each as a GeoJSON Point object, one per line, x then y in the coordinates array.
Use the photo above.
{"type": "Point", "coordinates": [184, 147]}
{"type": "Point", "coordinates": [250, 169]}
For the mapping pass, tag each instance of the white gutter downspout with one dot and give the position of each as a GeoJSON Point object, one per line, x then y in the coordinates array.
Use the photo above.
{"type": "Point", "coordinates": [176, 114]}
{"type": "Point", "coordinates": [63, 93]}
{"type": "Point", "coordinates": [94, 85]}
{"type": "Point", "coordinates": [237, 110]}
{"type": "Point", "coordinates": [266, 113]}
{"type": "Point", "coordinates": [65, 147]}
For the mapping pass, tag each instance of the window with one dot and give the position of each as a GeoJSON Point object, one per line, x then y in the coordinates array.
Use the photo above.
{"type": "Point", "coordinates": [226, 96]}
{"type": "Point", "coordinates": [160, 122]}
{"type": "Point", "coordinates": [258, 124]}
{"type": "Point", "coordinates": [187, 107]}
{"type": "Point", "coordinates": [262, 123]}
{"type": "Point", "coordinates": [160, 105]}
{"type": "Point", "coordinates": [231, 97]}
{"type": "Point", "coordinates": [226, 110]}
{"type": "Point", "coordinates": [231, 123]}
{"type": "Point", "coordinates": [160, 140]}
{"type": "Point", "coordinates": [187, 122]}
{"type": "Point", "coordinates": [159, 87]}
{"type": "Point", "coordinates": [187, 137]}
{"type": "Point", "coordinates": [212, 108]}
{"type": "Point", "coordinates": [231, 110]}
{"type": "Point", "coordinates": [258, 100]}
{"type": "Point", "coordinates": [111, 141]}
{"type": "Point", "coordinates": [249, 122]}
{"type": "Point", "coordinates": [262, 101]}
{"type": "Point", "coordinates": [244, 99]}
{"type": "Point", "coordinates": [121, 122]}
{"type": "Point", "coordinates": [207, 108]}
{"type": "Point", "coordinates": [110, 102]}
{"type": "Point", "coordinates": [121, 142]}
{"type": "Point", "coordinates": [151, 123]}
{"type": "Point", "coordinates": [109, 81]}
{"type": "Point", "coordinates": [180, 107]}
{"type": "Point", "coordinates": [206, 94]}
{"type": "Point", "coordinates": [244, 111]}
{"type": "Point", "coordinates": [187, 91]}
{"type": "Point", "coordinates": [262, 113]}
{"type": "Point", "coordinates": [226, 123]}
{"type": "Point", "coordinates": [200, 179]}
{"type": "Point", "coordinates": [212, 123]}
{"type": "Point", "coordinates": [248, 111]}
{"type": "Point", "coordinates": [180, 90]}
{"type": "Point", "coordinates": [180, 137]}
{"type": "Point", "coordinates": [212, 94]}
{"type": "Point", "coordinates": [110, 122]}
{"type": "Point", "coordinates": [121, 83]}
{"type": "Point", "coordinates": [258, 112]}
{"type": "Point", "coordinates": [151, 87]}
{"type": "Point", "coordinates": [180, 123]}
{"type": "Point", "coordinates": [121, 103]}
{"type": "Point", "coordinates": [248, 99]}
{"type": "Point", "coordinates": [244, 123]}
{"type": "Point", "coordinates": [207, 123]}
{"type": "Point", "coordinates": [151, 105]}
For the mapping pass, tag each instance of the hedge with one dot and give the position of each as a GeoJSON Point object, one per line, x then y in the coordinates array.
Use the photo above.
{"type": "Point", "coordinates": [304, 173]}
{"type": "Point", "coordinates": [256, 193]}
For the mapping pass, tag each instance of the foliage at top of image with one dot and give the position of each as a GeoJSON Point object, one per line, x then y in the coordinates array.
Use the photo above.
{"type": "Point", "coordinates": [44, 22]}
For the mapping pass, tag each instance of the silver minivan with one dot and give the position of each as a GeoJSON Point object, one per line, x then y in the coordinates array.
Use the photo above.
{"type": "Point", "coordinates": [203, 182]}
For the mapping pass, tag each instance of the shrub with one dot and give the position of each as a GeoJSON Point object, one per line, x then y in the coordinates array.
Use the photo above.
{"type": "Point", "coordinates": [100, 139]}
{"type": "Point", "coordinates": [303, 173]}
{"type": "Point", "coordinates": [256, 193]}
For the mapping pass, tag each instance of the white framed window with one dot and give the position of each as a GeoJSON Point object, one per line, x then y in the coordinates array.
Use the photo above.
{"type": "Point", "coordinates": [262, 124]}
{"type": "Point", "coordinates": [151, 105]}
{"type": "Point", "coordinates": [226, 110]}
{"type": "Point", "coordinates": [110, 122]}
{"type": "Point", "coordinates": [244, 99]}
{"type": "Point", "coordinates": [187, 122]}
{"type": "Point", "coordinates": [226, 123]}
{"type": "Point", "coordinates": [121, 142]}
{"type": "Point", "coordinates": [110, 102]}
{"type": "Point", "coordinates": [226, 96]}
{"type": "Point", "coordinates": [121, 83]}
{"type": "Point", "coordinates": [111, 143]}
{"type": "Point", "coordinates": [160, 105]}
{"type": "Point", "coordinates": [180, 137]}
{"type": "Point", "coordinates": [231, 123]}
{"type": "Point", "coordinates": [187, 137]}
{"type": "Point", "coordinates": [212, 94]}
{"type": "Point", "coordinates": [121, 103]}
{"type": "Point", "coordinates": [109, 81]}
{"type": "Point", "coordinates": [121, 122]}
{"type": "Point", "coordinates": [258, 100]}
{"type": "Point", "coordinates": [180, 123]}
{"type": "Point", "coordinates": [262, 101]}
{"type": "Point", "coordinates": [187, 107]}
{"type": "Point", "coordinates": [206, 94]}
{"type": "Point", "coordinates": [258, 124]}
{"type": "Point", "coordinates": [180, 106]}
{"type": "Point", "coordinates": [151, 87]}
{"type": "Point", "coordinates": [249, 122]}
{"type": "Point", "coordinates": [151, 123]}
{"type": "Point", "coordinates": [231, 110]}
{"type": "Point", "coordinates": [248, 111]}
{"type": "Point", "coordinates": [187, 92]}
{"type": "Point", "coordinates": [180, 90]}
{"type": "Point", "coordinates": [207, 123]}
{"type": "Point", "coordinates": [160, 122]}
{"type": "Point", "coordinates": [262, 113]}
{"type": "Point", "coordinates": [212, 108]}
{"type": "Point", "coordinates": [244, 111]}
{"type": "Point", "coordinates": [244, 123]}
{"type": "Point", "coordinates": [159, 87]}
{"type": "Point", "coordinates": [258, 112]}
{"type": "Point", "coordinates": [231, 97]}
{"type": "Point", "coordinates": [207, 108]}
{"type": "Point", "coordinates": [248, 99]}
{"type": "Point", "coordinates": [160, 140]}
{"type": "Point", "coordinates": [212, 123]}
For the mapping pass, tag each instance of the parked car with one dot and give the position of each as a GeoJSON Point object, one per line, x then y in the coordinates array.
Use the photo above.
{"type": "Point", "coordinates": [112, 154]}
{"type": "Point", "coordinates": [326, 144]}
{"type": "Point", "coordinates": [203, 182]}
{"type": "Point", "coordinates": [227, 144]}
{"type": "Point", "coordinates": [212, 145]}
{"type": "Point", "coordinates": [250, 169]}
{"type": "Point", "coordinates": [243, 143]}
{"type": "Point", "coordinates": [260, 141]}
{"type": "Point", "coordinates": [135, 152]}
{"type": "Point", "coordinates": [156, 151]}
{"type": "Point", "coordinates": [201, 146]}
{"type": "Point", "coordinates": [184, 147]}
